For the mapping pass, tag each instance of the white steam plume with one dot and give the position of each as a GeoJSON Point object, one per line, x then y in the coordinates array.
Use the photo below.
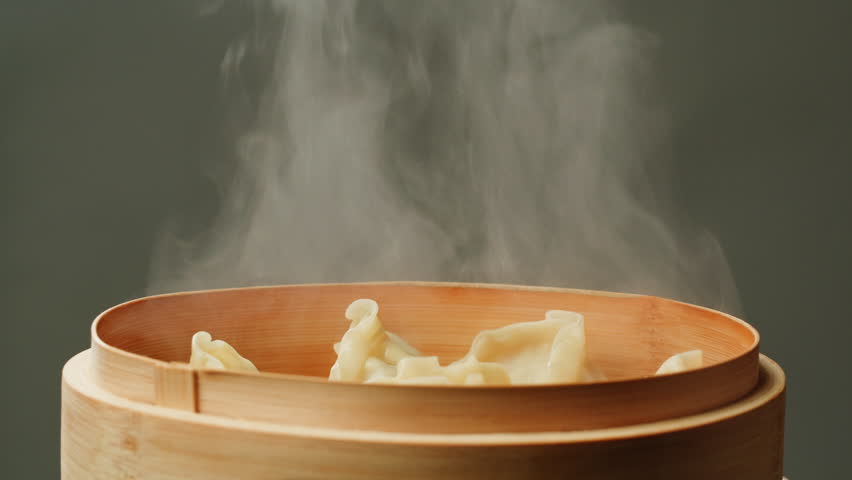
{"type": "Point", "coordinates": [498, 141]}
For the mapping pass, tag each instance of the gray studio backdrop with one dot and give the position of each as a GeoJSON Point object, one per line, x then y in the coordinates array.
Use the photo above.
{"type": "Point", "coordinates": [109, 110]}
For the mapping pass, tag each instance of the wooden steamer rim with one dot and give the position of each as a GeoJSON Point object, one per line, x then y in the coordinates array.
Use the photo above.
{"type": "Point", "coordinates": [304, 320]}
{"type": "Point", "coordinates": [771, 387]}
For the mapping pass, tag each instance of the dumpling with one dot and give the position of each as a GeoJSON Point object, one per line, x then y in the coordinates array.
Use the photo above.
{"type": "Point", "coordinates": [552, 350]}
{"type": "Point", "coordinates": [682, 362]}
{"type": "Point", "coordinates": [216, 354]}
{"type": "Point", "coordinates": [366, 350]}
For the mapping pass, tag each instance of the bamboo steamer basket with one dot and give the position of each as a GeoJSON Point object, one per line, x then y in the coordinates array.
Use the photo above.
{"type": "Point", "coordinates": [133, 409]}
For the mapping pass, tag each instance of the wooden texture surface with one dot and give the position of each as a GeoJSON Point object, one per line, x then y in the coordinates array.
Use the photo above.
{"type": "Point", "coordinates": [288, 332]}
{"type": "Point", "coordinates": [107, 437]}
{"type": "Point", "coordinates": [175, 387]}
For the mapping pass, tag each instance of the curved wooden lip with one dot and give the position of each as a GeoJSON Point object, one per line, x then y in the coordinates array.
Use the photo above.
{"type": "Point", "coordinates": [771, 386]}
{"type": "Point", "coordinates": [99, 343]}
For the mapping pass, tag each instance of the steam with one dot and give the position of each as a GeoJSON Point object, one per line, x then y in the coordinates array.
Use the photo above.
{"type": "Point", "coordinates": [491, 141]}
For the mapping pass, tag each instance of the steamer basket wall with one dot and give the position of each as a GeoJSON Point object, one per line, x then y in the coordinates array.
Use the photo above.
{"type": "Point", "coordinates": [131, 405]}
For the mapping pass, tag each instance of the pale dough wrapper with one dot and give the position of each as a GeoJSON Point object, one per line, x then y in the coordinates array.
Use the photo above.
{"type": "Point", "coordinates": [367, 351]}
{"type": "Point", "coordinates": [427, 370]}
{"type": "Point", "coordinates": [552, 350]}
{"type": "Point", "coordinates": [548, 351]}
{"type": "Point", "coordinates": [216, 354]}
{"type": "Point", "coordinates": [682, 362]}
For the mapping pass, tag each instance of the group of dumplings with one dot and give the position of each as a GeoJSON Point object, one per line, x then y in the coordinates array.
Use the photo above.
{"type": "Point", "coordinates": [547, 351]}
{"type": "Point", "coordinates": [552, 350]}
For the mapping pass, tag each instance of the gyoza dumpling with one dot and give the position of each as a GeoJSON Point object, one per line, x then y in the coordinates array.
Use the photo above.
{"type": "Point", "coordinates": [366, 350]}
{"type": "Point", "coordinates": [216, 354]}
{"type": "Point", "coordinates": [682, 362]}
{"type": "Point", "coordinates": [552, 350]}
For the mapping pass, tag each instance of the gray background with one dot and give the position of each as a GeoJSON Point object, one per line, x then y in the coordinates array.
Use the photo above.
{"type": "Point", "coordinates": [109, 109]}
